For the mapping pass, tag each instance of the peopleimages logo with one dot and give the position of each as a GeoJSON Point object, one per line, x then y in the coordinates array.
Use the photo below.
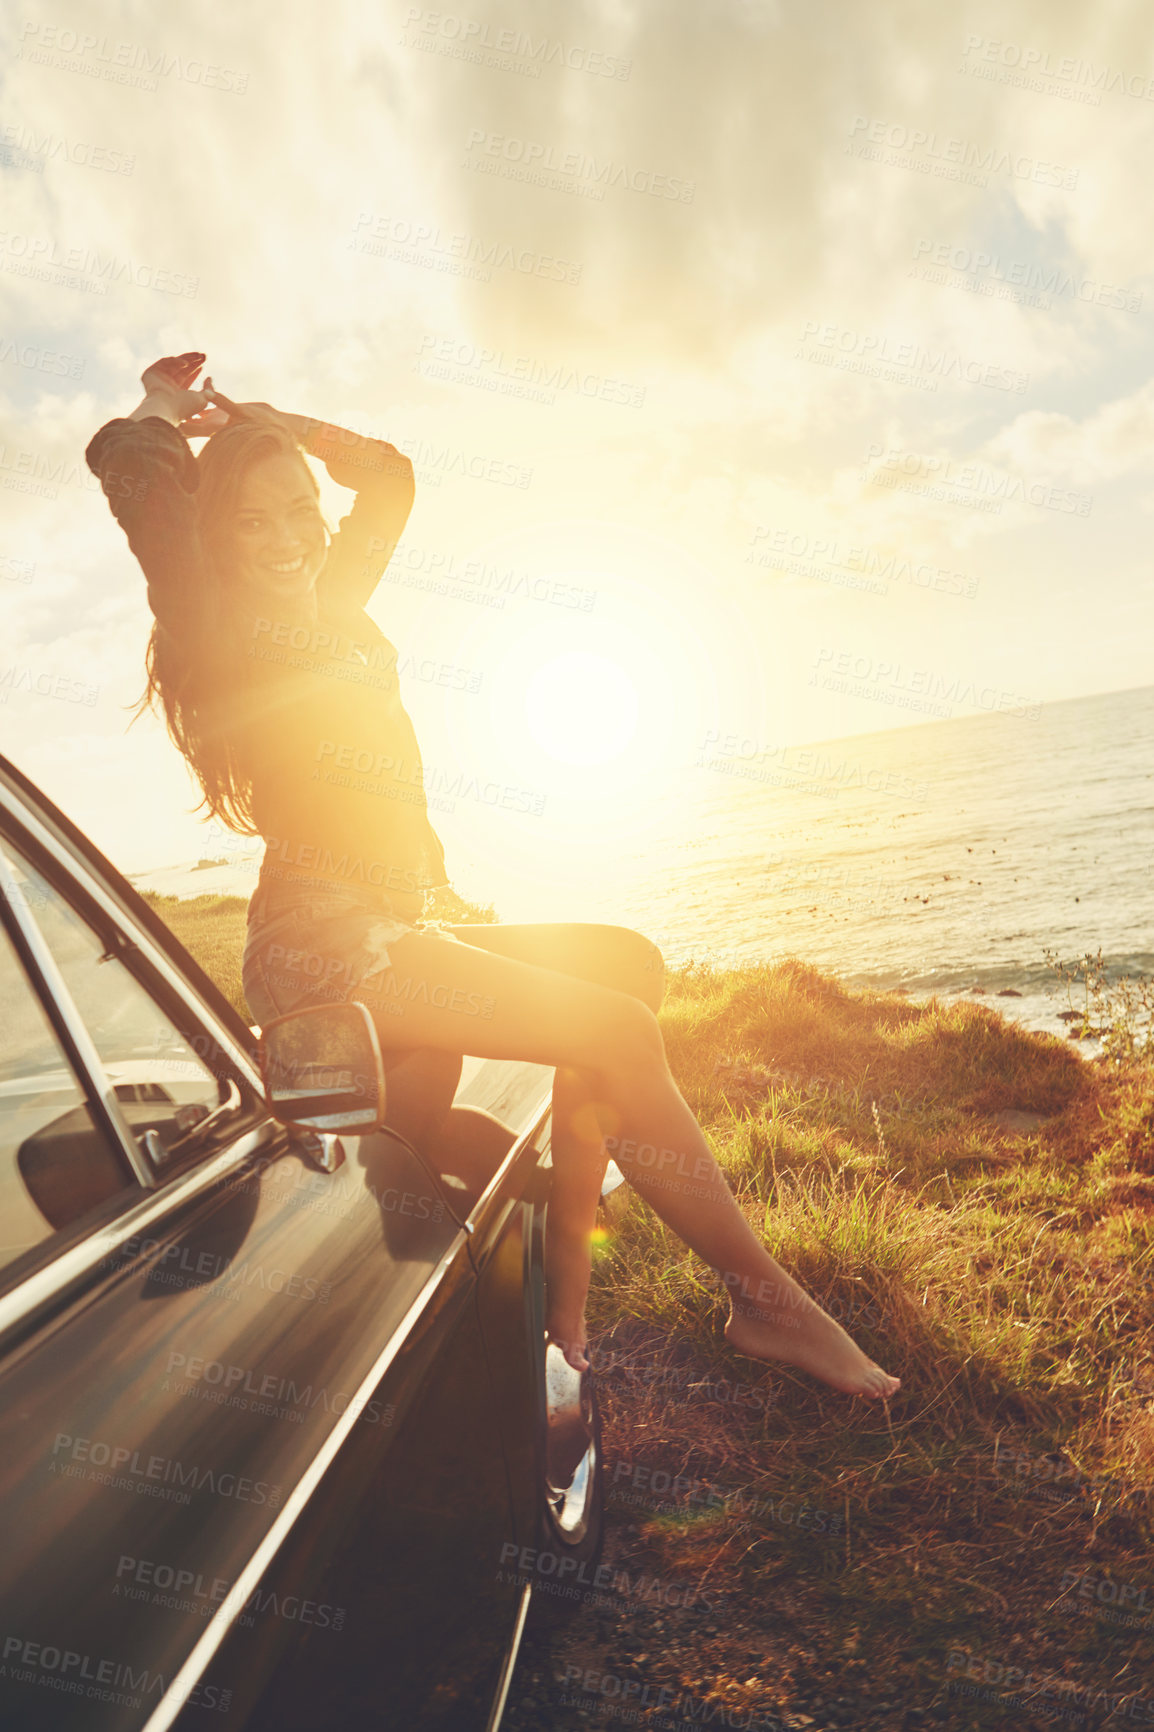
{"type": "Point", "coordinates": [917, 471]}
{"type": "Point", "coordinates": [190, 1267]}
{"type": "Point", "coordinates": [1016, 1685]}
{"type": "Point", "coordinates": [870, 351]}
{"type": "Point", "coordinates": [47, 684]}
{"type": "Point", "coordinates": [382, 235]}
{"type": "Point", "coordinates": [517, 375]}
{"type": "Point", "coordinates": [236, 1382]}
{"type": "Point", "coordinates": [890, 683]}
{"type": "Point", "coordinates": [185, 1590]}
{"type": "Point", "coordinates": [101, 1679]}
{"type": "Point", "coordinates": [135, 1470]}
{"type": "Point", "coordinates": [36, 359]}
{"type": "Point", "coordinates": [1110, 1600]}
{"type": "Point", "coordinates": [413, 779]}
{"type": "Point", "coordinates": [444, 569]}
{"type": "Point", "coordinates": [823, 557]}
{"type": "Point", "coordinates": [1021, 274]}
{"type": "Point", "coordinates": [576, 1573]}
{"type": "Point", "coordinates": [952, 158]}
{"type": "Point", "coordinates": [84, 266]}
{"type": "Point", "coordinates": [573, 165]}
{"type": "Point", "coordinates": [477, 40]}
{"type": "Point", "coordinates": [1036, 68]}
{"type": "Point", "coordinates": [120, 62]}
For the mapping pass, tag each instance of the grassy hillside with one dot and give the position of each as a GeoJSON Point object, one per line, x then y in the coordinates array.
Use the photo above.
{"type": "Point", "coordinates": [975, 1203]}
{"type": "Point", "coordinates": [211, 928]}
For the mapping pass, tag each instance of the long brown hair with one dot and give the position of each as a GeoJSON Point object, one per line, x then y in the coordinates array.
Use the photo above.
{"type": "Point", "coordinates": [202, 677]}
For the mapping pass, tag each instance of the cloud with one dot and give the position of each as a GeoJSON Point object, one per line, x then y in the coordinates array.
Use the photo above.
{"type": "Point", "coordinates": [1115, 440]}
{"type": "Point", "coordinates": [323, 201]}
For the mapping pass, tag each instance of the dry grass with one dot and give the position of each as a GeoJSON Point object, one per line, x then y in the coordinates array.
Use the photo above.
{"type": "Point", "coordinates": [1005, 1276]}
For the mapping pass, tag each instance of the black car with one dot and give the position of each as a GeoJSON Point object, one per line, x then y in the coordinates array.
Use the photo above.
{"type": "Point", "coordinates": [283, 1443]}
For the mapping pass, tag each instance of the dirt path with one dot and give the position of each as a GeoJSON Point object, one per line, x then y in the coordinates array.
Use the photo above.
{"type": "Point", "coordinates": [663, 1656]}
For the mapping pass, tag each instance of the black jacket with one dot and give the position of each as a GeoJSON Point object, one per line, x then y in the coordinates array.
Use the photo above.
{"type": "Point", "coordinates": [337, 778]}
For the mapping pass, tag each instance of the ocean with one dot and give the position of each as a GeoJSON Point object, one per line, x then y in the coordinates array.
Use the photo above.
{"type": "Point", "coordinates": [945, 858]}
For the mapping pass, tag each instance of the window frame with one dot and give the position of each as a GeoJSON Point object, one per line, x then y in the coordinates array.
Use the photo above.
{"type": "Point", "coordinates": [154, 973]}
{"type": "Point", "coordinates": [130, 940]}
{"type": "Point", "coordinates": [76, 879]}
{"type": "Point", "coordinates": [51, 991]}
{"type": "Point", "coordinates": [89, 879]}
{"type": "Point", "coordinates": [68, 1260]}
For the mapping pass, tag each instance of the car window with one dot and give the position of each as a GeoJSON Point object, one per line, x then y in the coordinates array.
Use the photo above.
{"type": "Point", "coordinates": [55, 1163]}
{"type": "Point", "coordinates": [163, 1087]}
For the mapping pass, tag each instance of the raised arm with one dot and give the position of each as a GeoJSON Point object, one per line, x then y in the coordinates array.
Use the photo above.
{"type": "Point", "coordinates": [149, 477]}
{"type": "Point", "coordinates": [368, 534]}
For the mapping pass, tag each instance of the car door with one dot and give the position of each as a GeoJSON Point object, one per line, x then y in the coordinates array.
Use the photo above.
{"type": "Point", "coordinates": [195, 1324]}
{"type": "Point", "coordinates": [413, 1545]}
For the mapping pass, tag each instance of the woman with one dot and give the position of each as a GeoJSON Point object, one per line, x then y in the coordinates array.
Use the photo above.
{"type": "Point", "coordinates": [281, 693]}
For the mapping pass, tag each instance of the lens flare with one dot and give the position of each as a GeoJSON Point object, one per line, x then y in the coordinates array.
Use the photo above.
{"type": "Point", "coordinates": [582, 708]}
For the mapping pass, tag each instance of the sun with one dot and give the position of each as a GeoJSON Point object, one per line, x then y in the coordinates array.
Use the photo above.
{"type": "Point", "coordinates": [582, 708]}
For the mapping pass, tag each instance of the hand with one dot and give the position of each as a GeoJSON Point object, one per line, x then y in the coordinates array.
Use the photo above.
{"type": "Point", "coordinates": [209, 421]}
{"type": "Point", "coordinates": [299, 426]}
{"type": "Point", "coordinates": [168, 384]}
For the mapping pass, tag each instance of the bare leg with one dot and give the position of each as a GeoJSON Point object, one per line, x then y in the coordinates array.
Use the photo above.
{"type": "Point", "coordinates": [609, 956]}
{"type": "Point", "coordinates": [579, 1162]}
{"type": "Point", "coordinates": [771, 1316]}
{"type": "Point", "coordinates": [550, 1018]}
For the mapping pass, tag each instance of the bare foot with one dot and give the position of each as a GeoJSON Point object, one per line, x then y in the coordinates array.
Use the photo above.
{"type": "Point", "coordinates": [575, 1347]}
{"type": "Point", "coordinates": [798, 1332]}
{"type": "Point", "coordinates": [569, 1432]}
{"type": "Point", "coordinates": [568, 1262]}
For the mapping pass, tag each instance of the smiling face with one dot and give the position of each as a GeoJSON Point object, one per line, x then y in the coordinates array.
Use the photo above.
{"type": "Point", "coordinates": [278, 536]}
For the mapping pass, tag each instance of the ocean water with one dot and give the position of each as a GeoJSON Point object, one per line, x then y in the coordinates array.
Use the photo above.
{"type": "Point", "coordinates": [946, 858]}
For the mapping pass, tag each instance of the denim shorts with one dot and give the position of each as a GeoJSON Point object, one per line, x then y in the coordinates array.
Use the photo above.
{"type": "Point", "coordinates": [311, 947]}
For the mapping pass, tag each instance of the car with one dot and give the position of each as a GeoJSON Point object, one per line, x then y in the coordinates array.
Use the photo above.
{"type": "Point", "coordinates": [284, 1444]}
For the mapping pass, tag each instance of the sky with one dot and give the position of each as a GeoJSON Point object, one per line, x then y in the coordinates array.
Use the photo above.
{"type": "Point", "coordinates": [771, 372]}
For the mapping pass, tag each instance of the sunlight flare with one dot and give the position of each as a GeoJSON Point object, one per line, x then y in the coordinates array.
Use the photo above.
{"type": "Point", "coordinates": [582, 708]}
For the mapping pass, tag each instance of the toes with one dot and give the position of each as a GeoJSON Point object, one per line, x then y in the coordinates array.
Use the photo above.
{"type": "Point", "coordinates": [574, 1349]}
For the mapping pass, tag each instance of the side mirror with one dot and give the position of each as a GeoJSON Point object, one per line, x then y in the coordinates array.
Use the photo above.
{"type": "Point", "coordinates": [322, 1069]}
